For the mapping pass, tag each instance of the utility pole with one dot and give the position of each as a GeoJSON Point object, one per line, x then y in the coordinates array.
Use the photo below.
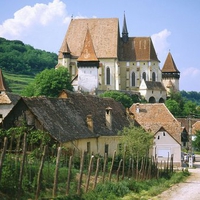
{"type": "Point", "coordinates": [190, 143]}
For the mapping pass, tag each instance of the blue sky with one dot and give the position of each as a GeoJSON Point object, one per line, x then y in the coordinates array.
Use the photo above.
{"type": "Point", "coordinates": [172, 24]}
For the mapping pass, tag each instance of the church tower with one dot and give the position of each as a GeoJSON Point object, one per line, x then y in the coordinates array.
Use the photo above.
{"type": "Point", "coordinates": [88, 65]}
{"type": "Point", "coordinates": [170, 75]}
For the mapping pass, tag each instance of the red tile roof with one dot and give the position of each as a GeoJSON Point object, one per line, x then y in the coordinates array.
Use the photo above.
{"type": "Point", "coordinates": [154, 116]}
{"type": "Point", "coordinates": [104, 34]}
{"type": "Point", "coordinates": [196, 127]}
{"type": "Point", "coordinates": [169, 65]}
{"type": "Point", "coordinates": [88, 52]}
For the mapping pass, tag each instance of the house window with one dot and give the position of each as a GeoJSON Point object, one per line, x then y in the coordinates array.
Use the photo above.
{"type": "Point", "coordinates": [88, 147]}
{"type": "Point", "coordinates": [153, 76]}
{"type": "Point", "coordinates": [144, 76]}
{"type": "Point", "coordinates": [108, 76]}
{"type": "Point", "coordinates": [163, 133]}
{"type": "Point", "coordinates": [158, 137]}
{"type": "Point", "coordinates": [106, 149]}
{"type": "Point", "coordinates": [133, 79]}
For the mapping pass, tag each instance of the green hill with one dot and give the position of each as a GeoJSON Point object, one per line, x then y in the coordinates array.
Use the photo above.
{"type": "Point", "coordinates": [17, 82]}
{"type": "Point", "coordinates": [20, 63]}
{"type": "Point", "coordinates": [19, 58]}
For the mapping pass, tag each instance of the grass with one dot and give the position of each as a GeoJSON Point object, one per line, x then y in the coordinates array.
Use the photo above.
{"type": "Point", "coordinates": [155, 187]}
{"type": "Point", "coordinates": [17, 82]}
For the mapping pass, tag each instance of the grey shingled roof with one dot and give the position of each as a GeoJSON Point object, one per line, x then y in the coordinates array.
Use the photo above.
{"type": "Point", "coordinates": [65, 119]}
{"type": "Point", "coordinates": [152, 85]}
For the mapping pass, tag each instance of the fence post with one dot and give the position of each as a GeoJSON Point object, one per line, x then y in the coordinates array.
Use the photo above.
{"type": "Point", "coordinates": [22, 164]}
{"type": "Point", "coordinates": [129, 167]}
{"type": "Point", "coordinates": [172, 163]}
{"type": "Point", "coordinates": [132, 168]}
{"type": "Point", "coordinates": [113, 159]}
{"type": "Point", "coordinates": [81, 174]}
{"type": "Point", "coordinates": [40, 174]}
{"type": "Point", "coordinates": [69, 175]}
{"type": "Point", "coordinates": [56, 172]}
{"type": "Point", "coordinates": [124, 158]}
{"type": "Point", "coordinates": [96, 173]}
{"type": "Point", "coordinates": [119, 169]}
{"type": "Point", "coordinates": [89, 173]}
{"type": "Point", "coordinates": [104, 167]}
{"type": "Point", "coordinates": [3, 154]}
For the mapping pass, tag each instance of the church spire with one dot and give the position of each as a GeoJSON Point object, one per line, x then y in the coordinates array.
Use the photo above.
{"type": "Point", "coordinates": [124, 31]}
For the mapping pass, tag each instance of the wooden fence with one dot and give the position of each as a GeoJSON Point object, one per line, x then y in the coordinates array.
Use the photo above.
{"type": "Point", "coordinates": [91, 169]}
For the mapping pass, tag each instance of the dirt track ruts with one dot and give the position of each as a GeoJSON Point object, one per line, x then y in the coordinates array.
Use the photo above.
{"type": "Point", "coordinates": [187, 190]}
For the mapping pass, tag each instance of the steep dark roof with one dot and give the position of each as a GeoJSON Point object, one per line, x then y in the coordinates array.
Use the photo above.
{"type": "Point", "coordinates": [65, 119]}
{"type": "Point", "coordinates": [137, 49]}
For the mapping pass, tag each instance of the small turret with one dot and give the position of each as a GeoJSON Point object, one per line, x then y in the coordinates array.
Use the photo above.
{"type": "Point", "coordinates": [170, 74]}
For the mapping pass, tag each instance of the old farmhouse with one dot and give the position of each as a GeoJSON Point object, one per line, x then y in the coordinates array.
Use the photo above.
{"type": "Point", "coordinates": [79, 122]}
{"type": "Point", "coordinates": [167, 130]}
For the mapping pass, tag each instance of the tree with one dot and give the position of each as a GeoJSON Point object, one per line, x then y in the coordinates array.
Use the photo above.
{"type": "Point", "coordinates": [174, 107]}
{"type": "Point", "coordinates": [190, 108]}
{"type": "Point", "coordinates": [126, 100]}
{"type": "Point", "coordinates": [196, 142]}
{"type": "Point", "coordinates": [136, 141]}
{"type": "Point", "coordinates": [49, 83]}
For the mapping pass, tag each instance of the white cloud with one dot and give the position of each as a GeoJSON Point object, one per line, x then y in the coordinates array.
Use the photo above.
{"type": "Point", "coordinates": [43, 26]}
{"type": "Point", "coordinates": [160, 43]}
{"type": "Point", "coordinates": [39, 14]}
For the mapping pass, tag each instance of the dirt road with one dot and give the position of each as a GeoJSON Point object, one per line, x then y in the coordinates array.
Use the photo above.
{"type": "Point", "coordinates": [188, 190]}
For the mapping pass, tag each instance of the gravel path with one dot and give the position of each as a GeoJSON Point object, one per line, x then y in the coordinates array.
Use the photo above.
{"type": "Point", "coordinates": [188, 190]}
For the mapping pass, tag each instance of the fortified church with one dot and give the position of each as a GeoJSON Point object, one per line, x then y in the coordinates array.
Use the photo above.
{"type": "Point", "coordinates": [99, 59]}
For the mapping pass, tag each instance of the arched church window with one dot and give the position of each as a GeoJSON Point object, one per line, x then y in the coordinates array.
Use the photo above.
{"type": "Point", "coordinates": [108, 76]}
{"type": "Point", "coordinates": [133, 79]}
{"type": "Point", "coordinates": [144, 76]}
{"type": "Point", "coordinates": [153, 76]}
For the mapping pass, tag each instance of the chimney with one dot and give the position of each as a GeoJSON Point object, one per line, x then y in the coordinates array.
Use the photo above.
{"type": "Point", "coordinates": [108, 115]}
{"type": "Point", "coordinates": [137, 108]}
{"type": "Point", "coordinates": [89, 121]}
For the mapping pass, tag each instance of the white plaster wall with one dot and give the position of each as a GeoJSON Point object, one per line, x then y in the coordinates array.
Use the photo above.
{"type": "Point", "coordinates": [88, 78]}
{"type": "Point", "coordinates": [166, 143]}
